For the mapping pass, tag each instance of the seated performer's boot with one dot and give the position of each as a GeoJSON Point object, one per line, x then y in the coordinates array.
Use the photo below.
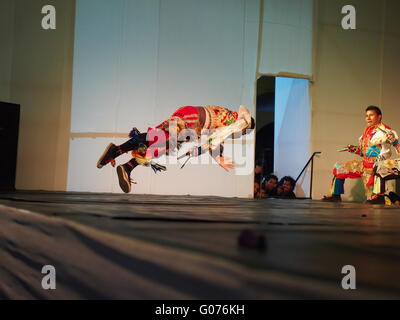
{"type": "Point", "coordinates": [332, 198]}
{"type": "Point", "coordinates": [124, 175]}
{"type": "Point", "coordinates": [379, 199]}
{"type": "Point", "coordinates": [394, 198]}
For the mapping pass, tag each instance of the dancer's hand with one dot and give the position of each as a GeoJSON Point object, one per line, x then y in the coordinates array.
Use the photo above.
{"type": "Point", "coordinates": [352, 149]}
{"type": "Point", "coordinates": [379, 158]}
{"type": "Point", "coordinates": [157, 167]}
{"type": "Point", "coordinates": [225, 162]}
{"type": "Point", "coordinates": [397, 147]}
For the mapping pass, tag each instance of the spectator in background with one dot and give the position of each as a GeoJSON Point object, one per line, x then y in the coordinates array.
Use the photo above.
{"type": "Point", "coordinates": [269, 186]}
{"type": "Point", "coordinates": [256, 189]}
{"type": "Point", "coordinates": [285, 188]}
{"type": "Point", "coordinates": [263, 193]}
{"type": "Point", "coordinates": [259, 172]}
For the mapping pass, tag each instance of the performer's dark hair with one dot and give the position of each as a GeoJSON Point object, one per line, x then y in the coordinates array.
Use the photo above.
{"type": "Point", "coordinates": [271, 176]}
{"type": "Point", "coordinates": [374, 108]}
{"type": "Point", "coordinates": [259, 162]}
{"type": "Point", "coordinates": [290, 179]}
{"type": "Point", "coordinates": [253, 123]}
{"type": "Point", "coordinates": [252, 126]}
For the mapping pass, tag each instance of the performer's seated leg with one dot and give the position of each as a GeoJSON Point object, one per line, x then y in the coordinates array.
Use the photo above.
{"type": "Point", "coordinates": [337, 189]}
{"type": "Point", "coordinates": [343, 170]}
{"type": "Point", "coordinates": [387, 172]}
{"type": "Point", "coordinates": [394, 198]}
{"type": "Point", "coordinates": [376, 194]}
{"type": "Point", "coordinates": [384, 190]}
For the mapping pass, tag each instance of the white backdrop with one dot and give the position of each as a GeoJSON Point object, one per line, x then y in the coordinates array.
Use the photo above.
{"type": "Point", "coordinates": [287, 37]}
{"type": "Point", "coordinates": [293, 131]}
{"type": "Point", "coordinates": [137, 61]}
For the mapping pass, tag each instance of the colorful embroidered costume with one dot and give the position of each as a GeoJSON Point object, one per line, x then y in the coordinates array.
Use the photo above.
{"type": "Point", "coordinates": [374, 146]}
{"type": "Point", "coordinates": [388, 169]}
{"type": "Point", "coordinates": [195, 118]}
{"type": "Point", "coordinates": [157, 141]}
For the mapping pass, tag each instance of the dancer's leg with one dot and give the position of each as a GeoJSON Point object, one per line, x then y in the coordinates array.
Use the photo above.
{"type": "Point", "coordinates": [124, 175]}
{"type": "Point", "coordinates": [112, 151]}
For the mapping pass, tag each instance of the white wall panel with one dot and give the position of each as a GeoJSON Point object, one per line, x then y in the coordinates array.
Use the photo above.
{"type": "Point", "coordinates": [287, 37]}
{"type": "Point", "coordinates": [137, 61]}
{"type": "Point", "coordinates": [201, 53]}
{"type": "Point", "coordinates": [138, 65]}
{"type": "Point", "coordinates": [96, 80]}
{"type": "Point", "coordinates": [292, 130]}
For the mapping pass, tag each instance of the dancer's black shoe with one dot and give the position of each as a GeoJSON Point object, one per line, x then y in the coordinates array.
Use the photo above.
{"type": "Point", "coordinates": [124, 175]}
{"type": "Point", "coordinates": [332, 198]}
{"type": "Point", "coordinates": [394, 198]}
{"type": "Point", "coordinates": [112, 151]}
{"type": "Point", "coordinates": [109, 154]}
{"type": "Point", "coordinates": [377, 200]}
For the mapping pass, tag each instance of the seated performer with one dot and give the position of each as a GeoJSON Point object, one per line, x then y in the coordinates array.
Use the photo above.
{"type": "Point", "coordinates": [159, 140]}
{"type": "Point", "coordinates": [374, 145]}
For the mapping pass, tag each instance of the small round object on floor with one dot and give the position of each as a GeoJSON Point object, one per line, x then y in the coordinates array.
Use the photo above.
{"type": "Point", "coordinates": [252, 239]}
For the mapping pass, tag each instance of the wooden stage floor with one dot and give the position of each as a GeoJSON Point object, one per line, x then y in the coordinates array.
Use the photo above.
{"type": "Point", "coordinates": [113, 246]}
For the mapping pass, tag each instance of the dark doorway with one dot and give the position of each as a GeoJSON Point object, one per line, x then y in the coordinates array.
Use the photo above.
{"type": "Point", "coordinates": [9, 127]}
{"type": "Point", "coordinates": [265, 110]}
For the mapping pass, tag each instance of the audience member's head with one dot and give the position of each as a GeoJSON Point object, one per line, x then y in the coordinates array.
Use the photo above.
{"type": "Point", "coordinates": [286, 186]}
{"type": "Point", "coordinates": [259, 169]}
{"type": "Point", "coordinates": [270, 183]}
{"type": "Point", "coordinates": [263, 193]}
{"type": "Point", "coordinates": [256, 189]}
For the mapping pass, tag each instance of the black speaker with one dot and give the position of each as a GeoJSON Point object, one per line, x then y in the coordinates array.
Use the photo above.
{"type": "Point", "coordinates": [9, 128]}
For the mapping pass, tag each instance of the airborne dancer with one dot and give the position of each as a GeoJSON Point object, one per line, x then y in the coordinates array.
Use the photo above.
{"type": "Point", "coordinates": [161, 140]}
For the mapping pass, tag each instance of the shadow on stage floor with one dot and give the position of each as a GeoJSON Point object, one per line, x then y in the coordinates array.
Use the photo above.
{"type": "Point", "coordinates": [177, 247]}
